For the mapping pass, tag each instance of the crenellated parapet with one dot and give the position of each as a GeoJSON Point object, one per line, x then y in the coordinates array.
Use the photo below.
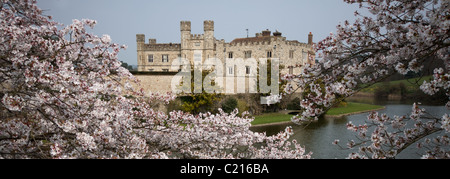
{"type": "Point", "coordinates": [257, 43]}
{"type": "Point", "coordinates": [140, 38]}
{"type": "Point", "coordinates": [197, 37]}
{"type": "Point", "coordinates": [208, 25]}
{"type": "Point", "coordinates": [185, 26]}
{"type": "Point", "coordinates": [162, 47]}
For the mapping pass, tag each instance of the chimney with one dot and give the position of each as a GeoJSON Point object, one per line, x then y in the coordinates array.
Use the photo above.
{"type": "Point", "coordinates": [266, 33]}
{"type": "Point", "coordinates": [310, 38]}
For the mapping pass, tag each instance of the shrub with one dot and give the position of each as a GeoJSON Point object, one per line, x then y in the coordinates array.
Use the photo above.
{"type": "Point", "coordinates": [229, 104]}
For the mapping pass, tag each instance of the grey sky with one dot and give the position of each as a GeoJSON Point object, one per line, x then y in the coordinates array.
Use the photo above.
{"type": "Point", "coordinates": [160, 19]}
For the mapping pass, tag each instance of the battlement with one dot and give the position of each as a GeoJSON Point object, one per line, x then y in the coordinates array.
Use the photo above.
{"type": "Point", "coordinates": [247, 43]}
{"type": "Point", "coordinates": [259, 43]}
{"type": "Point", "coordinates": [152, 41]}
{"type": "Point", "coordinates": [297, 43]}
{"type": "Point", "coordinates": [163, 47]}
{"type": "Point", "coordinates": [197, 36]}
{"type": "Point", "coordinates": [208, 25]}
{"type": "Point", "coordinates": [264, 38]}
{"type": "Point", "coordinates": [185, 25]}
{"type": "Point", "coordinates": [140, 38]}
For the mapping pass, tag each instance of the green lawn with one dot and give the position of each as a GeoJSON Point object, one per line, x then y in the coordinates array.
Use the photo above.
{"type": "Point", "coordinates": [271, 118]}
{"type": "Point", "coordinates": [350, 108]}
{"type": "Point", "coordinates": [412, 85]}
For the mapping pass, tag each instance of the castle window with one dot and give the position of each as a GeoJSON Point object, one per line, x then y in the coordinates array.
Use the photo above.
{"type": "Point", "coordinates": [197, 56]}
{"type": "Point", "coordinates": [165, 58]}
{"type": "Point", "coordinates": [248, 54]}
{"type": "Point", "coordinates": [165, 70]}
{"type": "Point", "coordinates": [291, 70]}
{"type": "Point", "coordinates": [305, 56]}
{"type": "Point", "coordinates": [269, 54]}
{"type": "Point", "coordinates": [247, 70]}
{"type": "Point", "coordinates": [230, 54]}
{"type": "Point", "coordinates": [291, 54]}
{"type": "Point", "coordinates": [230, 70]}
{"type": "Point", "coordinates": [150, 58]}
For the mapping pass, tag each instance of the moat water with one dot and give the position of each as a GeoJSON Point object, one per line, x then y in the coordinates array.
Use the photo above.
{"type": "Point", "coordinates": [318, 137]}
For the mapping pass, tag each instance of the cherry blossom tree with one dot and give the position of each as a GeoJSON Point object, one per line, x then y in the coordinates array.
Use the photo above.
{"type": "Point", "coordinates": [398, 36]}
{"type": "Point", "coordinates": [64, 94]}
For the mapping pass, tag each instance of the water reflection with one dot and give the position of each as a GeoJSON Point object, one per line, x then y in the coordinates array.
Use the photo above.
{"type": "Point", "coordinates": [318, 136]}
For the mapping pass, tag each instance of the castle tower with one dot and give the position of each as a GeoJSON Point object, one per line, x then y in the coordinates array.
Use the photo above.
{"type": "Point", "coordinates": [208, 27]}
{"type": "Point", "coordinates": [140, 41]}
{"type": "Point", "coordinates": [185, 28]}
{"type": "Point", "coordinates": [208, 43]}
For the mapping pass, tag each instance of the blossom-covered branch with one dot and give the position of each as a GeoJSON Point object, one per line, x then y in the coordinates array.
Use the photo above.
{"type": "Point", "coordinates": [397, 37]}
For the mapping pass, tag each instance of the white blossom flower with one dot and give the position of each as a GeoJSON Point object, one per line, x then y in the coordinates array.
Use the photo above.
{"type": "Point", "coordinates": [106, 39]}
{"type": "Point", "coordinates": [87, 141]}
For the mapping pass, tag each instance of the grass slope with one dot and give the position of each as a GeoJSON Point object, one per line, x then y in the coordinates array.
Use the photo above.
{"type": "Point", "coordinates": [271, 118]}
{"type": "Point", "coordinates": [353, 108]}
{"type": "Point", "coordinates": [412, 85]}
{"type": "Point", "coordinates": [349, 109]}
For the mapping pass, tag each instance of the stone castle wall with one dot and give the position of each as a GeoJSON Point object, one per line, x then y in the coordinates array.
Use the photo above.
{"type": "Point", "coordinates": [199, 47]}
{"type": "Point", "coordinates": [152, 82]}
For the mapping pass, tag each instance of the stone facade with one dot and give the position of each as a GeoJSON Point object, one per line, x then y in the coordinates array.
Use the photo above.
{"type": "Point", "coordinates": [158, 57]}
{"type": "Point", "coordinates": [154, 56]}
{"type": "Point", "coordinates": [154, 82]}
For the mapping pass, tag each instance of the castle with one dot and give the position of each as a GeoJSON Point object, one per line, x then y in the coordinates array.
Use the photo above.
{"type": "Point", "coordinates": [156, 58]}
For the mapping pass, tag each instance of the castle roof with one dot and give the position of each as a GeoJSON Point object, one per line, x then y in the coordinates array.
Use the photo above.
{"type": "Point", "coordinates": [252, 39]}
